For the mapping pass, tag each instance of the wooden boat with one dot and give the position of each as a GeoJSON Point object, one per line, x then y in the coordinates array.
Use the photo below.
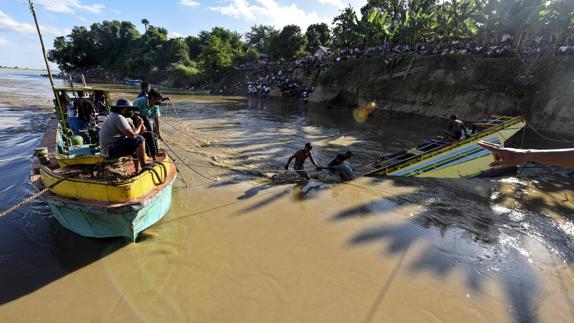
{"type": "Point", "coordinates": [447, 158]}
{"type": "Point", "coordinates": [87, 197]}
{"type": "Point", "coordinates": [75, 180]}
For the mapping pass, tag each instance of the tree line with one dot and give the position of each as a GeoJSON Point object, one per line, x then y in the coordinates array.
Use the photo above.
{"type": "Point", "coordinates": [117, 48]}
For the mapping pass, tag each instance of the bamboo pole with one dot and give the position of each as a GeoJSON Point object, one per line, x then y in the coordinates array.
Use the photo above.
{"type": "Point", "coordinates": [41, 43]}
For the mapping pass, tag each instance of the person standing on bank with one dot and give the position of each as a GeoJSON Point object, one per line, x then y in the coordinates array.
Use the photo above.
{"type": "Point", "coordinates": [119, 139]}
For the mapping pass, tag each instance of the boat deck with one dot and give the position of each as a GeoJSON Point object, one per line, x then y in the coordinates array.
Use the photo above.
{"type": "Point", "coordinates": [440, 144]}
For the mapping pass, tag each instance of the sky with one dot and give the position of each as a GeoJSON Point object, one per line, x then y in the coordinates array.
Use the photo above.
{"type": "Point", "coordinates": [20, 45]}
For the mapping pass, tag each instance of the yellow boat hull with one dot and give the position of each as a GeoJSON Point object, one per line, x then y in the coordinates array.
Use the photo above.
{"type": "Point", "coordinates": [108, 192]}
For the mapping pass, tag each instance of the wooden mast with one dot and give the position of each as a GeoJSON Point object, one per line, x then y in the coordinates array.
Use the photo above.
{"type": "Point", "coordinates": [41, 43]}
{"type": "Point", "coordinates": [58, 103]}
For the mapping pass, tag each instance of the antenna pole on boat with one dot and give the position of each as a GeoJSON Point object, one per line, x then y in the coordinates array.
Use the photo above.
{"type": "Point", "coordinates": [41, 43]}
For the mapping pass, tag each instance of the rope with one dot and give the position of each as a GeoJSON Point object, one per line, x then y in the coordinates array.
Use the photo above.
{"type": "Point", "coordinates": [151, 169]}
{"type": "Point", "coordinates": [547, 138]}
{"type": "Point", "coordinates": [30, 198]}
{"type": "Point", "coordinates": [183, 162]}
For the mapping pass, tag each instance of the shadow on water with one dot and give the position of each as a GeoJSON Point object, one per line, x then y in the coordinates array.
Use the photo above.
{"type": "Point", "coordinates": [36, 251]}
{"type": "Point", "coordinates": [462, 225]}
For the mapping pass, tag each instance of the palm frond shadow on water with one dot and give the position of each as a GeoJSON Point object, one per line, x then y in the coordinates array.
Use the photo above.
{"type": "Point", "coordinates": [463, 225]}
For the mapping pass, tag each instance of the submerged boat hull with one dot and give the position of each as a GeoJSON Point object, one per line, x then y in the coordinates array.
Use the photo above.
{"type": "Point", "coordinates": [462, 158]}
{"type": "Point", "coordinates": [104, 221]}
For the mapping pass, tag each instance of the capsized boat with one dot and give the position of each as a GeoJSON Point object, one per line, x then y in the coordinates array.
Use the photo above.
{"type": "Point", "coordinates": [447, 158]}
{"type": "Point", "coordinates": [91, 195]}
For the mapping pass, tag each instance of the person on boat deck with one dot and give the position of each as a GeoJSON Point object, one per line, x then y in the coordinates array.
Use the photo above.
{"type": "Point", "coordinates": [149, 110]}
{"type": "Point", "coordinates": [455, 128]}
{"type": "Point", "coordinates": [87, 114]}
{"type": "Point", "coordinates": [146, 87]}
{"type": "Point", "coordinates": [512, 156]}
{"type": "Point", "coordinates": [74, 123]}
{"type": "Point", "coordinates": [300, 156]}
{"type": "Point", "coordinates": [341, 167]}
{"type": "Point", "coordinates": [85, 108]}
{"type": "Point", "coordinates": [100, 102]}
{"type": "Point", "coordinates": [119, 139]}
{"type": "Point", "coordinates": [150, 140]}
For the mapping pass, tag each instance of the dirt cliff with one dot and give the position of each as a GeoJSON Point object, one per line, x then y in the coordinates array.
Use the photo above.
{"type": "Point", "coordinates": [540, 89]}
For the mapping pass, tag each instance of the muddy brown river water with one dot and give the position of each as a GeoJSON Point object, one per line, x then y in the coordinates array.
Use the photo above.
{"type": "Point", "coordinates": [245, 243]}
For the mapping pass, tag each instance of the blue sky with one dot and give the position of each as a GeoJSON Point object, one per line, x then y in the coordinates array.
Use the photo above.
{"type": "Point", "coordinates": [20, 46]}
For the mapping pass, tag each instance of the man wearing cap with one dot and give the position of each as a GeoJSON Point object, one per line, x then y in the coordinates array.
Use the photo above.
{"type": "Point", "coordinates": [118, 138]}
{"type": "Point", "coordinates": [149, 110]}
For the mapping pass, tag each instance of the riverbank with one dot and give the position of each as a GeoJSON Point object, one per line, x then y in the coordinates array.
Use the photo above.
{"type": "Point", "coordinates": [539, 89]}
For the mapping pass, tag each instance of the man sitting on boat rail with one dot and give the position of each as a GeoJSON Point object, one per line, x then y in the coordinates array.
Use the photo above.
{"type": "Point", "coordinates": [455, 128]}
{"type": "Point", "coordinates": [118, 138]}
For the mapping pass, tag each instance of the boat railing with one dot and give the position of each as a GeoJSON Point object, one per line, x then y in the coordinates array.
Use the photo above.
{"type": "Point", "coordinates": [507, 121]}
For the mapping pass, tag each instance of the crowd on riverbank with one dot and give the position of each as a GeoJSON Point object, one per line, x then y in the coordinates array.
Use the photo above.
{"type": "Point", "coordinates": [265, 74]}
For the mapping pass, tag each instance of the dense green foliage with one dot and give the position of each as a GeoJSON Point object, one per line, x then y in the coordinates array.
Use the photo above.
{"type": "Point", "coordinates": [117, 48]}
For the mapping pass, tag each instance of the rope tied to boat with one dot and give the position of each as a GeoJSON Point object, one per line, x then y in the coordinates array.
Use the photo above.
{"type": "Point", "coordinates": [31, 198]}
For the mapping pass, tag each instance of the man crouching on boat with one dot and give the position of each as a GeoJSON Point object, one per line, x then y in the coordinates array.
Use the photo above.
{"type": "Point", "coordinates": [118, 138]}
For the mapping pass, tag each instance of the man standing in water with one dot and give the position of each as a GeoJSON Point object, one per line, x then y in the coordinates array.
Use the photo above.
{"type": "Point", "coordinates": [455, 128]}
{"type": "Point", "coordinates": [341, 167]}
{"type": "Point", "coordinates": [300, 156]}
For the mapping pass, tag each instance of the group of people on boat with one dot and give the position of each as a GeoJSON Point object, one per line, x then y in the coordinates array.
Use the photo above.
{"type": "Point", "coordinates": [133, 128]}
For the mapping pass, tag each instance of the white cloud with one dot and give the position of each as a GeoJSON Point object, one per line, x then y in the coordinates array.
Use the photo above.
{"type": "Point", "coordinates": [69, 6]}
{"type": "Point", "coordinates": [335, 3]}
{"type": "Point", "coordinates": [3, 41]}
{"type": "Point", "coordinates": [189, 3]}
{"type": "Point", "coordinates": [174, 34]}
{"type": "Point", "coordinates": [268, 12]}
{"type": "Point", "coordinates": [7, 23]}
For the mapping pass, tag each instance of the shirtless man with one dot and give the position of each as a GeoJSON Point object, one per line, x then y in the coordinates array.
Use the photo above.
{"type": "Point", "coordinates": [300, 156]}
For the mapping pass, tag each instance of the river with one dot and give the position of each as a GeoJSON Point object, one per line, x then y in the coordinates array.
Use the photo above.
{"type": "Point", "coordinates": [245, 242]}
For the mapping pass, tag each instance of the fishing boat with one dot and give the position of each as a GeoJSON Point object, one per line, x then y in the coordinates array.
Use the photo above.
{"type": "Point", "coordinates": [94, 196]}
{"type": "Point", "coordinates": [447, 158]}
{"type": "Point", "coordinates": [91, 195]}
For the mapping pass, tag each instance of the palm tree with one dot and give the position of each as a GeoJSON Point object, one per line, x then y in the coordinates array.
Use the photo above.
{"type": "Point", "coordinates": [145, 22]}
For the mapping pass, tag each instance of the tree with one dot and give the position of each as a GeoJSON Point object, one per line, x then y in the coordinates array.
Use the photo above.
{"type": "Point", "coordinates": [145, 22]}
{"type": "Point", "coordinates": [217, 55]}
{"type": "Point", "coordinates": [318, 35]}
{"type": "Point", "coordinates": [289, 44]}
{"type": "Point", "coordinates": [193, 46]}
{"type": "Point", "coordinates": [260, 37]}
{"type": "Point", "coordinates": [558, 16]}
{"type": "Point", "coordinates": [347, 32]}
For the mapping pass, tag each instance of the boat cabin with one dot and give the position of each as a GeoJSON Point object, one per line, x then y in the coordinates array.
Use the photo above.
{"type": "Point", "coordinates": [80, 112]}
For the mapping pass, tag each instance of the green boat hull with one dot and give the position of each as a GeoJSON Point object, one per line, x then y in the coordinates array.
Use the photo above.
{"type": "Point", "coordinates": [104, 222]}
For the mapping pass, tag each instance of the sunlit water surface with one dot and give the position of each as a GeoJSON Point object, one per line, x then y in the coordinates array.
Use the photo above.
{"type": "Point", "coordinates": [244, 242]}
